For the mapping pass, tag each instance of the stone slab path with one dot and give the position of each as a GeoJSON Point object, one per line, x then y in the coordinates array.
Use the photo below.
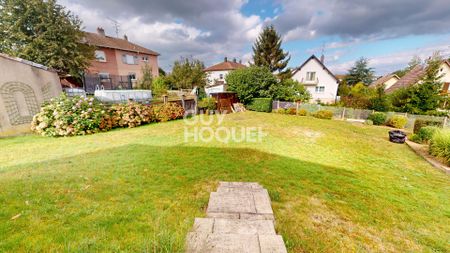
{"type": "Point", "coordinates": [239, 219]}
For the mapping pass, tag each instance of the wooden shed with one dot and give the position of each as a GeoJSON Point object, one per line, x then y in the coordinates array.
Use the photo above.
{"type": "Point", "coordinates": [225, 101]}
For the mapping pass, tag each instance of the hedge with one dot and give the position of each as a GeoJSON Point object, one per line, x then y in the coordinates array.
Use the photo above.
{"type": "Point", "coordinates": [419, 123]}
{"type": "Point", "coordinates": [378, 118]}
{"type": "Point", "coordinates": [260, 105]}
{"type": "Point", "coordinates": [440, 145]}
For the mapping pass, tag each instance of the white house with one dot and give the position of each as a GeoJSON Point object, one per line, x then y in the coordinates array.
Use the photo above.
{"type": "Point", "coordinates": [215, 75]}
{"type": "Point", "coordinates": [317, 79]}
{"type": "Point", "coordinates": [387, 81]}
{"type": "Point", "coordinates": [444, 72]}
{"type": "Point", "coordinates": [414, 76]}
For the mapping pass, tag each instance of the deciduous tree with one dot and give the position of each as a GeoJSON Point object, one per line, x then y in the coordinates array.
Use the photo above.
{"type": "Point", "coordinates": [44, 32]}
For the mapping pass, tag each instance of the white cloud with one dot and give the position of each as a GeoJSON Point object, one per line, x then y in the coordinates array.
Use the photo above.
{"type": "Point", "coordinates": [388, 63]}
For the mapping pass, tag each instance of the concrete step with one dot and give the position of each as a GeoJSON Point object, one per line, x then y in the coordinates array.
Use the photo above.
{"type": "Point", "coordinates": [240, 204]}
{"type": "Point", "coordinates": [234, 243]}
{"type": "Point", "coordinates": [248, 185]}
{"type": "Point", "coordinates": [233, 226]}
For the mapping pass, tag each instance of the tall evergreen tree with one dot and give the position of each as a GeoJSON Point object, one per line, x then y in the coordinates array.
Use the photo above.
{"type": "Point", "coordinates": [360, 72]}
{"type": "Point", "coordinates": [267, 52]}
{"type": "Point", "coordinates": [45, 32]}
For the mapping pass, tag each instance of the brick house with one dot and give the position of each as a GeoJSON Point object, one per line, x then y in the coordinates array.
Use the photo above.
{"type": "Point", "coordinates": [119, 57]}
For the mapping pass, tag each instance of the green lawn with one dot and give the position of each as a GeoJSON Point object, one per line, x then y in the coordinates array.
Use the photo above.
{"type": "Point", "coordinates": [335, 187]}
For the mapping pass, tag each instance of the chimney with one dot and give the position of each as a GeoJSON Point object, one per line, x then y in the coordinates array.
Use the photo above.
{"type": "Point", "coordinates": [125, 37]}
{"type": "Point", "coordinates": [101, 31]}
{"type": "Point", "coordinates": [225, 59]}
{"type": "Point", "coordinates": [240, 61]}
{"type": "Point", "coordinates": [322, 59]}
{"type": "Point", "coordinates": [234, 60]}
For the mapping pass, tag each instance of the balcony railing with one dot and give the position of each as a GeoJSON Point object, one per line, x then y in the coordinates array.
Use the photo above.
{"type": "Point", "coordinates": [310, 82]}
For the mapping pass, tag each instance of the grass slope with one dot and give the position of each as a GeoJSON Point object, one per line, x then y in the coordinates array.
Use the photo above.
{"type": "Point", "coordinates": [335, 187]}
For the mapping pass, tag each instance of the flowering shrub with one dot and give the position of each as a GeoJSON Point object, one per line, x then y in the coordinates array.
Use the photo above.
{"type": "Point", "coordinates": [65, 116]}
{"type": "Point", "coordinates": [132, 114]}
{"type": "Point", "coordinates": [323, 114]}
{"type": "Point", "coordinates": [169, 111]}
{"type": "Point", "coordinates": [397, 121]}
{"type": "Point", "coordinates": [302, 112]}
{"type": "Point", "coordinates": [291, 111]}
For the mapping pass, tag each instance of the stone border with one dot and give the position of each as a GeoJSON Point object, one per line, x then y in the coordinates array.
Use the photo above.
{"type": "Point", "coordinates": [421, 150]}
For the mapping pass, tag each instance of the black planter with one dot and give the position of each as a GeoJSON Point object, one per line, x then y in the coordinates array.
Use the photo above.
{"type": "Point", "coordinates": [397, 136]}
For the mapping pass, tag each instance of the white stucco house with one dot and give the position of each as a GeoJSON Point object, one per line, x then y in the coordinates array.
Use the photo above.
{"type": "Point", "coordinates": [414, 76]}
{"type": "Point", "coordinates": [387, 81]}
{"type": "Point", "coordinates": [318, 80]}
{"type": "Point", "coordinates": [444, 72]}
{"type": "Point", "coordinates": [215, 75]}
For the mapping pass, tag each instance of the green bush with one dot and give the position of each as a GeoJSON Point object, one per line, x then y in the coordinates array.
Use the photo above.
{"type": "Point", "coordinates": [261, 105]}
{"type": "Point", "coordinates": [280, 111]}
{"type": "Point", "coordinates": [252, 82]}
{"type": "Point", "coordinates": [425, 134]}
{"type": "Point", "coordinates": [378, 118]}
{"type": "Point", "coordinates": [397, 121]}
{"type": "Point", "coordinates": [302, 112]}
{"type": "Point", "coordinates": [419, 123]}
{"type": "Point", "coordinates": [368, 122]}
{"type": "Point", "coordinates": [291, 111]}
{"type": "Point", "coordinates": [440, 145]}
{"type": "Point", "coordinates": [132, 114]}
{"type": "Point", "coordinates": [323, 114]}
{"type": "Point", "coordinates": [169, 111]}
{"type": "Point", "coordinates": [207, 104]}
{"type": "Point", "coordinates": [64, 116]}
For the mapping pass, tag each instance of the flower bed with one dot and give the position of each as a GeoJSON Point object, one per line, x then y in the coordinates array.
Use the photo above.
{"type": "Point", "coordinates": [65, 116]}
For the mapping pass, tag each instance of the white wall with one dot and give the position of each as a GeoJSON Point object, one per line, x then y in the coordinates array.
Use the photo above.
{"type": "Point", "coordinates": [445, 71]}
{"type": "Point", "coordinates": [215, 89]}
{"type": "Point", "coordinates": [323, 78]}
{"type": "Point", "coordinates": [215, 75]}
{"type": "Point", "coordinates": [390, 82]}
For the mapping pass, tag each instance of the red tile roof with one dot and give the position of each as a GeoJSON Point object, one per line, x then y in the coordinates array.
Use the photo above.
{"type": "Point", "coordinates": [226, 65]}
{"type": "Point", "coordinates": [411, 78]}
{"type": "Point", "coordinates": [383, 79]}
{"type": "Point", "coordinates": [116, 43]}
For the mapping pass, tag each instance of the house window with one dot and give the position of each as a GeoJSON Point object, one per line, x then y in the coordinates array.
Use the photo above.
{"type": "Point", "coordinates": [100, 56]}
{"type": "Point", "coordinates": [320, 89]}
{"type": "Point", "coordinates": [221, 76]}
{"type": "Point", "coordinates": [132, 76]}
{"type": "Point", "coordinates": [129, 59]}
{"type": "Point", "coordinates": [310, 76]}
{"type": "Point", "coordinates": [103, 75]}
{"type": "Point", "coordinates": [145, 58]}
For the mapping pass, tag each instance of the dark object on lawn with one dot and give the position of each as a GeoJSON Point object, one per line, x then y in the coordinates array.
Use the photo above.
{"type": "Point", "coordinates": [397, 136]}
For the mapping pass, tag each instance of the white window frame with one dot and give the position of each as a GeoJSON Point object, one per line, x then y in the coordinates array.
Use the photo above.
{"type": "Point", "coordinates": [100, 55]}
{"type": "Point", "coordinates": [130, 59]}
{"type": "Point", "coordinates": [320, 89]}
{"type": "Point", "coordinates": [311, 76]}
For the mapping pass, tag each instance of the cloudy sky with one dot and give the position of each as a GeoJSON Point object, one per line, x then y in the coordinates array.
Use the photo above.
{"type": "Point", "coordinates": [388, 32]}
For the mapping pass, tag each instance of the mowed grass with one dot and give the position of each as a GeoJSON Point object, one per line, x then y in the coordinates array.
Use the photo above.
{"type": "Point", "coordinates": [335, 187]}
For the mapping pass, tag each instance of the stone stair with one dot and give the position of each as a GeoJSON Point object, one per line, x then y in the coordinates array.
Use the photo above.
{"type": "Point", "coordinates": [239, 219]}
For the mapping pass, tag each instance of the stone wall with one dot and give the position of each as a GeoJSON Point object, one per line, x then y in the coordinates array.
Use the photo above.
{"type": "Point", "coordinates": [24, 86]}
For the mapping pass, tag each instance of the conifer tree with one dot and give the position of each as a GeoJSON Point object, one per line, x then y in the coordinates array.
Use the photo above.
{"type": "Point", "coordinates": [267, 52]}
{"type": "Point", "coordinates": [360, 72]}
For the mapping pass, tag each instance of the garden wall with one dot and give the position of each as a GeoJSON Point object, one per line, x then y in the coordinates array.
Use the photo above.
{"type": "Point", "coordinates": [345, 113]}
{"type": "Point", "coordinates": [24, 86]}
